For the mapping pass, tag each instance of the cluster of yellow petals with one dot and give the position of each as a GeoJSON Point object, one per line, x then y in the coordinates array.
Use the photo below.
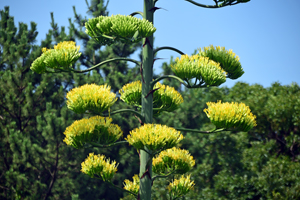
{"type": "Point", "coordinates": [98, 165]}
{"type": "Point", "coordinates": [92, 97]}
{"type": "Point", "coordinates": [154, 137]}
{"type": "Point", "coordinates": [131, 93]}
{"type": "Point", "coordinates": [168, 95]}
{"type": "Point", "coordinates": [173, 159]}
{"type": "Point", "coordinates": [230, 115]}
{"type": "Point", "coordinates": [62, 56]}
{"type": "Point", "coordinates": [202, 68]}
{"type": "Point", "coordinates": [132, 186]}
{"type": "Point", "coordinates": [181, 186]}
{"type": "Point", "coordinates": [94, 129]}
{"type": "Point", "coordinates": [228, 60]}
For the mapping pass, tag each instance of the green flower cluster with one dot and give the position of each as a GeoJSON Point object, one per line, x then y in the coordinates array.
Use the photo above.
{"type": "Point", "coordinates": [132, 186]}
{"type": "Point", "coordinates": [128, 29]}
{"type": "Point", "coordinates": [96, 98]}
{"type": "Point", "coordinates": [228, 60]}
{"type": "Point", "coordinates": [164, 99]}
{"type": "Point", "coordinates": [230, 115]}
{"type": "Point", "coordinates": [174, 159]}
{"type": "Point", "coordinates": [62, 57]}
{"type": "Point", "coordinates": [201, 68]}
{"type": "Point", "coordinates": [97, 165]}
{"type": "Point", "coordinates": [95, 129]}
{"type": "Point", "coordinates": [181, 186]}
{"type": "Point", "coordinates": [154, 137]}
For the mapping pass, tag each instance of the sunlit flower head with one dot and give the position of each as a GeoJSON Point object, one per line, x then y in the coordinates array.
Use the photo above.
{"type": "Point", "coordinates": [228, 60]}
{"type": "Point", "coordinates": [181, 186]}
{"type": "Point", "coordinates": [99, 166]}
{"type": "Point", "coordinates": [128, 29]}
{"type": "Point", "coordinates": [201, 68]}
{"type": "Point", "coordinates": [230, 115]}
{"type": "Point", "coordinates": [154, 137]}
{"type": "Point", "coordinates": [174, 159]}
{"type": "Point", "coordinates": [131, 93]}
{"type": "Point", "coordinates": [92, 97]}
{"type": "Point", "coordinates": [62, 56]}
{"type": "Point", "coordinates": [166, 98]}
{"type": "Point", "coordinates": [132, 186]}
{"type": "Point", "coordinates": [95, 129]}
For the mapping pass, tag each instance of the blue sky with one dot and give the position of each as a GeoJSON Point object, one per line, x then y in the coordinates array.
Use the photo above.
{"type": "Point", "coordinates": [265, 34]}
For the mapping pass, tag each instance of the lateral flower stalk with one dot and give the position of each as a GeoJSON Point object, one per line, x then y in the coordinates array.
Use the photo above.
{"type": "Point", "coordinates": [62, 56]}
{"type": "Point", "coordinates": [154, 137]}
{"type": "Point", "coordinates": [228, 60]}
{"type": "Point", "coordinates": [95, 129]}
{"type": "Point", "coordinates": [98, 165]}
{"type": "Point", "coordinates": [181, 186]}
{"type": "Point", "coordinates": [230, 115]}
{"type": "Point", "coordinates": [90, 97]}
{"type": "Point", "coordinates": [174, 159]}
{"type": "Point", "coordinates": [107, 30]}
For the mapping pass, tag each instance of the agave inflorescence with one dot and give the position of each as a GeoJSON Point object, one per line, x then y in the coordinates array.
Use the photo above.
{"type": "Point", "coordinates": [128, 29]}
{"type": "Point", "coordinates": [173, 159]}
{"type": "Point", "coordinates": [61, 57]}
{"type": "Point", "coordinates": [98, 165]}
{"type": "Point", "coordinates": [95, 129]}
{"type": "Point", "coordinates": [154, 137]}
{"type": "Point", "coordinates": [90, 97]}
{"type": "Point", "coordinates": [230, 115]}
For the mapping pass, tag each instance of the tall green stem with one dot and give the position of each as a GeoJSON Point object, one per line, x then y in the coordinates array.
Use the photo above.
{"type": "Point", "coordinates": [147, 104]}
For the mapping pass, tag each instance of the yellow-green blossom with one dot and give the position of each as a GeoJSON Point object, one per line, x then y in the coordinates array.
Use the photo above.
{"type": "Point", "coordinates": [164, 99]}
{"type": "Point", "coordinates": [131, 93]}
{"type": "Point", "coordinates": [154, 137]}
{"type": "Point", "coordinates": [228, 60]}
{"type": "Point", "coordinates": [230, 115]}
{"type": "Point", "coordinates": [132, 186]}
{"type": "Point", "coordinates": [98, 165]}
{"type": "Point", "coordinates": [63, 56]}
{"type": "Point", "coordinates": [95, 129]}
{"type": "Point", "coordinates": [180, 187]}
{"type": "Point", "coordinates": [174, 159]}
{"type": "Point", "coordinates": [204, 70]}
{"type": "Point", "coordinates": [107, 30]}
{"type": "Point", "coordinates": [96, 98]}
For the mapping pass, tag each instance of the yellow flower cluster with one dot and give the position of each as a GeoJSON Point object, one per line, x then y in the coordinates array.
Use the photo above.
{"type": "Point", "coordinates": [131, 93]}
{"type": "Point", "coordinates": [228, 60]}
{"type": "Point", "coordinates": [174, 159]}
{"type": "Point", "coordinates": [98, 165]}
{"type": "Point", "coordinates": [154, 137]}
{"type": "Point", "coordinates": [132, 186]}
{"type": "Point", "coordinates": [164, 99]}
{"type": "Point", "coordinates": [122, 28]}
{"type": "Point", "coordinates": [90, 97]}
{"type": "Point", "coordinates": [205, 70]}
{"type": "Point", "coordinates": [181, 186]}
{"type": "Point", "coordinates": [230, 115]}
{"type": "Point", "coordinates": [95, 129]}
{"type": "Point", "coordinates": [63, 56]}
